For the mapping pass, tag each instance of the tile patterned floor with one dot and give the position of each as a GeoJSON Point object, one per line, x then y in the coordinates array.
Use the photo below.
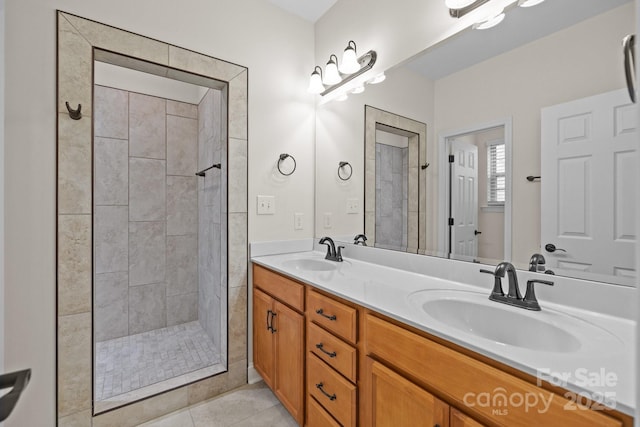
{"type": "Point", "coordinates": [136, 361]}
{"type": "Point", "coordinates": [249, 406]}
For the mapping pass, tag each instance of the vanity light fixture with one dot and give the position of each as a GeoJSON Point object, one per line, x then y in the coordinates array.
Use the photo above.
{"type": "Point", "coordinates": [315, 82]}
{"type": "Point", "coordinates": [349, 63]}
{"type": "Point", "coordinates": [459, 8]}
{"type": "Point", "coordinates": [529, 3]}
{"type": "Point", "coordinates": [490, 21]}
{"type": "Point", "coordinates": [377, 79]}
{"type": "Point", "coordinates": [331, 74]}
{"type": "Point", "coordinates": [335, 76]}
{"type": "Point", "coordinates": [342, 97]}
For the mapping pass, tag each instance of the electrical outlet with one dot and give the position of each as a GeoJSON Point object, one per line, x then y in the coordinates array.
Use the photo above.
{"type": "Point", "coordinates": [353, 206]}
{"type": "Point", "coordinates": [297, 221]}
{"type": "Point", "coordinates": [266, 205]}
{"type": "Point", "coordinates": [328, 223]}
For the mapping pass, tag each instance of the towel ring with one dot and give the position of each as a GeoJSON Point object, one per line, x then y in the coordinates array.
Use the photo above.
{"type": "Point", "coordinates": [282, 158]}
{"type": "Point", "coordinates": [342, 165]}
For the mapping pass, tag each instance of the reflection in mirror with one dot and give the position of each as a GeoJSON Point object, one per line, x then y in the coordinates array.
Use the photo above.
{"type": "Point", "coordinates": [475, 186]}
{"type": "Point", "coordinates": [555, 53]}
{"type": "Point", "coordinates": [395, 146]}
{"type": "Point", "coordinates": [160, 310]}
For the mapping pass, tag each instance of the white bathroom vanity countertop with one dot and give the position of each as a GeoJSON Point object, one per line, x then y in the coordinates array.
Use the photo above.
{"type": "Point", "coordinates": [603, 371]}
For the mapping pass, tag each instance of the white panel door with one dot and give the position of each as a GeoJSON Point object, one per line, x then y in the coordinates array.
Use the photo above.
{"type": "Point", "coordinates": [588, 168]}
{"type": "Point", "coordinates": [464, 200]}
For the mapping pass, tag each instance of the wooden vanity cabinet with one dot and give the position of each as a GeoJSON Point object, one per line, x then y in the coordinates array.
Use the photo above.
{"type": "Point", "coordinates": [364, 369]}
{"type": "Point", "coordinates": [278, 337]}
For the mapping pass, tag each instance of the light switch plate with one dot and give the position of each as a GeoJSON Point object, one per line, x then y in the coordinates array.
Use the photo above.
{"type": "Point", "coordinates": [353, 206]}
{"type": "Point", "coordinates": [297, 221]}
{"type": "Point", "coordinates": [266, 205]}
{"type": "Point", "coordinates": [328, 222]}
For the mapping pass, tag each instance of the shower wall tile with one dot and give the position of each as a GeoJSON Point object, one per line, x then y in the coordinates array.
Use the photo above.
{"type": "Point", "coordinates": [111, 112]}
{"type": "Point", "coordinates": [238, 258]}
{"type": "Point", "coordinates": [205, 121]}
{"type": "Point", "coordinates": [147, 126]}
{"type": "Point", "coordinates": [147, 308]}
{"type": "Point", "coordinates": [74, 363]}
{"type": "Point", "coordinates": [238, 106]}
{"type": "Point", "coordinates": [74, 61]}
{"type": "Point", "coordinates": [111, 171]}
{"type": "Point", "coordinates": [74, 165]}
{"type": "Point", "coordinates": [238, 175]}
{"type": "Point", "coordinates": [237, 324]}
{"type": "Point", "coordinates": [147, 251]}
{"type": "Point", "coordinates": [182, 265]}
{"type": "Point", "coordinates": [147, 192]}
{"type": "Point", "coordinates": [182, 205]}
{"type": "Point", "coordinates": [202, 64]}
{"type": "Point", "coordinates": [111, 306]}
{"type": "Point", "coordinates": [111, 238]}
{"type": "Point", "coordinates": [182, 146]}
{"type": "Point", "coordinates": [182, 109]}
{"type": "Point", "coordinates": [74, 274]}
{"type": "Point", "coordinates": [79, 419]}
{"type": "Point", "coordinates": [182, 308]}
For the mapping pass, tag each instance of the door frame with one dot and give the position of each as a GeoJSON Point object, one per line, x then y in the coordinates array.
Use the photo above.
{"type": "Point", "coordinates": [444, 184]}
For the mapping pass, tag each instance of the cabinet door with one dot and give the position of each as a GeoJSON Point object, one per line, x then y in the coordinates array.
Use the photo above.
{"type": "Point", "coordinates": [459, 419]}
{"type": "Point", "coordinates": [397, 402]}
{"type": "Point", "coordinates": [263, 341]}
{"type": "Point", "coordinates": [289, 343]}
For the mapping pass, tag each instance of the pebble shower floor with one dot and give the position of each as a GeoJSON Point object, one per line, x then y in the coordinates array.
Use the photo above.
{"type": "Point", "coordinates": [135, 361]}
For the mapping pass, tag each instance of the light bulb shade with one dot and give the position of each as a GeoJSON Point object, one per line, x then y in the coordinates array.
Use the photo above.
{"type": "Point", "coordinates": [358, 89]}
{"type": "Point", "coordinates": [342, 97]}
{"type": "Point", "coordinates": [458, 4]}
{"type": "Point", "coordinates": [315, 82]}
{"type": "Point", "coordinates": [349, 64]}
{"type": "Point", "coordinates": [331, 74]}
{"type": "Point", "coordinates": [377, 79]}
{"type": "Point", "coordinates": [490, 22]}
{"type": "Point", "coordinates": [529, 3]}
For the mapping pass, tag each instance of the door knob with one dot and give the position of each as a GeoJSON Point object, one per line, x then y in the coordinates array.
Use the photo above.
{"type": "Point", "coordinates": [551, 248]}
{"type": "Point", "coordinates": [476, 232]}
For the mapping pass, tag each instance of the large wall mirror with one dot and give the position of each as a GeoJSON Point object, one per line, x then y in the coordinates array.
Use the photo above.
{"type": "Point", "coordinates": [530, 144]}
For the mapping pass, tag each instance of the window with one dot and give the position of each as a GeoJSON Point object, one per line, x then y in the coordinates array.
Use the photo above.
{"type": "Point", "coordinates": [496, 179]}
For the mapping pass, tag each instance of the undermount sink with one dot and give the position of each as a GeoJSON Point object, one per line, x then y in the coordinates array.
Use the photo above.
{"type": "Point", "coordinates": [473, 313]}
{"type": "Point", "coordinates": [309, 264]}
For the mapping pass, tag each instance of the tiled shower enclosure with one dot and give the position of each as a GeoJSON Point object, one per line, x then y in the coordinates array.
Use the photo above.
{"type": "Point", "coordinates": [160, 279]}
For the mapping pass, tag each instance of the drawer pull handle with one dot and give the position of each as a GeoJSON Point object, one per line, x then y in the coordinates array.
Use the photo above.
{"type": "Point", "coordinates": [330, 396]}
{"type": "Point", "coordinates": [321, 313]}
{"type": "Point", "coordinates": [270, 316]}
{"type": "Point", "coordinates": [320, 347]}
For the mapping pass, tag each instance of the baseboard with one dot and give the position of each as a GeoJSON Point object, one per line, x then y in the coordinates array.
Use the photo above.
{"type": "Point", "coordinates": [252, 375]}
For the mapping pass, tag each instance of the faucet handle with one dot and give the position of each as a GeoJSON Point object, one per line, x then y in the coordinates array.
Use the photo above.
{"type": "Point", "coordinates": [529, 299]}
{"type": "Point", "coordinates": [497, 283]}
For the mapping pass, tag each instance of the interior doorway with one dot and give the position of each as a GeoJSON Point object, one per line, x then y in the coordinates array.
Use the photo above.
{"type": "Point", "coordinates": [475, 169]}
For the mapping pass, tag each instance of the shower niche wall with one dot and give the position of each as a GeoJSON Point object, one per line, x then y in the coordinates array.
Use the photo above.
{"type": "Point", "coordinates": [159, 230]}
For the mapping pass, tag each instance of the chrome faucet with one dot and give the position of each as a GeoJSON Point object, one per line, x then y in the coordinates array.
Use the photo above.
{"type": "Point", "coordinates": [514, 297]}
{"type": "Point", "coordinates": [360, 239]}
{"type": "Point", "coordinates": [332, 255]}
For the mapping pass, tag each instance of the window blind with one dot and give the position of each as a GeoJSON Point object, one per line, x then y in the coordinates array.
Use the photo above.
{"type": "Point", "coordinates": [496, 179]}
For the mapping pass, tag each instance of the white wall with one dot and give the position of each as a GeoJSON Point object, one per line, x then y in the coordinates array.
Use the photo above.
{"type": "Point", "coordinates": [277, 47]}
{"type": "Point", "coordinates": [2, 334]}
{"type": "Point", "coordinates": [518, 84]}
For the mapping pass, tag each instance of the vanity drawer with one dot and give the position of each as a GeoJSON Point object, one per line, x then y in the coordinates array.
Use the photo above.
{"type": "Point", "coordinates": [461, 378]}
{"type": "Point", "coordinates": [317, 416]}
{"type": "Point", "coordinates": [335, 352]}
{"type": "Point", "coordinates": [280, 287]}
{"type": "Point", "coordinates": [337, 395]}
{"type": "Point", "coordinates": [333, 315]}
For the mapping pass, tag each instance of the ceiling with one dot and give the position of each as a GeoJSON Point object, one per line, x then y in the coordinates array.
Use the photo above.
{"type": "Point", "coordinates": [311, 10]}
